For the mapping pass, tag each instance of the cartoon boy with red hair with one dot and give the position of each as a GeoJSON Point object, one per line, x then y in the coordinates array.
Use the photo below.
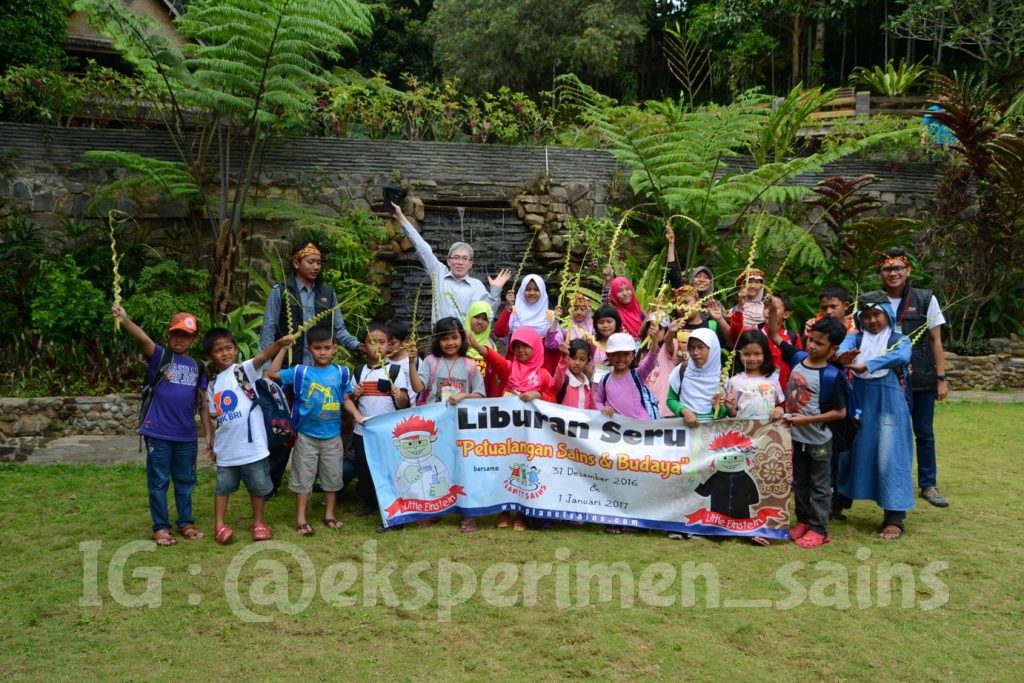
{"type": "Point", "coordinates": [422, 474]}
{"type": "Point", "coordinates": [731, 488]}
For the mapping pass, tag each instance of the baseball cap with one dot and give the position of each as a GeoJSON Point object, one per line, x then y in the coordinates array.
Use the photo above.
{"type": "Point", "coordinates": [620, 341]}
{"type": "Point", "coordinates": [186, 322]}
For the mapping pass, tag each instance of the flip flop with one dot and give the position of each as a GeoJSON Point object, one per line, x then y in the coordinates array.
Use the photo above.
{"type": "Point", "coordinates": [190, 532]}
{"type": "Point", "coordinates": [302, 529]}
{"type": "Point", "coordinates": [891, 537]}
{"type": "Point", "coordinates": [332, 523]}
{"type": "Point", "coordinates": [163, 538]}
{"type": "Point", "coordinates": [224, 534]}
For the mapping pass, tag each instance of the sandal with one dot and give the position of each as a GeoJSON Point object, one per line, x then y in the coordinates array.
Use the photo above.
{"type": "Point", "coordinates": [332, 523]}
{"type": "Point", "coordinates": [163, 538]}
{"type": "Point", "coordinates": [468, 525]}
{"type": "Point", "coordinates": [190, 532]}
{"type": "Point", "coordinates": [519, 524]}
{"type": "Point", "coordinates": [886, 533]}
{"type": "Point", "coordinates": [426, 522]}
{"type": "Point", "coordinates": [260, 532]}
{"type": "Point", "coordinates": [812, 539]}
{"type": "Point", "coordinates": [502, 520]}
{"type": "Point", "coordinates": [798, 531]}
{"type": "Point", "coordinates": [303, 529]}
{"type": "Point", "coordinates": [759, 540]}
{"type": "Point", "coordinates": [224, 534]}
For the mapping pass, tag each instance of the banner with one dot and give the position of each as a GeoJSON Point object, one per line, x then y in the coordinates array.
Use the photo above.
{"type": "Point", "coordinates": [485, 456]}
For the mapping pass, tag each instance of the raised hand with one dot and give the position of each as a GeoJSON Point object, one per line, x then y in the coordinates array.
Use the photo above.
{"type": "Point", "coordinates": [499, 280]}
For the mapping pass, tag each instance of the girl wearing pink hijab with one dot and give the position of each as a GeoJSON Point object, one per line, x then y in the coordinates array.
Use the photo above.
{"type": "Point", "coordinates": [622, 296]}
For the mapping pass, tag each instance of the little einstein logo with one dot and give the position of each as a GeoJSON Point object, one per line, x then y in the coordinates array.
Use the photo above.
{"type": "Point", "coordinates": [524, 481]}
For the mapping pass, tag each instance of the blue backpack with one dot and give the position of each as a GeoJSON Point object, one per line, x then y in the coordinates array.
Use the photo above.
{"type": "Point", "coordinates": [647, 398]}
{"type": "Point", "coordinates": [273, 403]}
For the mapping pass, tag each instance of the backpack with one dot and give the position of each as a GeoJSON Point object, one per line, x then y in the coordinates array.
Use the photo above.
{"type": "Point", "coordinates": [148, 389]}
{"type": "Point", "coordinates": [470, 364]}
{"type": "Point", "coordinates": [394, 369]}
{"type": "Point", "coordinates": [646, 395]}
{"type": "Point", "coordinates": [270, 397]}
{"type": "Point", "coordinates": [844, 431]}
{"type": "Point", "coordinates": [561, 392]}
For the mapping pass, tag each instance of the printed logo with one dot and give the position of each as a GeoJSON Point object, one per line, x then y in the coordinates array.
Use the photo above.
{"type": "Point", "coordinates": [226, 402]}
{"type": "Point", "coordinates": [525, 481]}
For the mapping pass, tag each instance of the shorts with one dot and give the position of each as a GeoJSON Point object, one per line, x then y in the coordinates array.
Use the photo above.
{"type": "Point", "coordinates": [312, 456]}
{"type": "Point", "coordinates": [256, 476]}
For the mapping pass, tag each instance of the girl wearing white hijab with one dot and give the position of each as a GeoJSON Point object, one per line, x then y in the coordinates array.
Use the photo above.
{"type": "Point", "coordinates": [693, 386]}
{"type": "Point", "coordinates": [531, 310]}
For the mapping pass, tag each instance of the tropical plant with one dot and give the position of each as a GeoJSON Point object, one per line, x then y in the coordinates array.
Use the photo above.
{"type": "Point", "coordinates": [684, 169]}
{"type": "Point", "coordinates": [856, 228]}
{"type": "Point", "coordinates": [66, 305]}
{"type": "Point", "coordinates": [688, 61]}
{"type": "Point", "coordinates": [907, 147]}
{"type": "Point", "coordinates": [979, 213]}
{"type": "Point", "coordinates": [251, 70]}
{"type": "Point", "coordinates": [33, 32]}
{"type": "Point", "coordinates": [164, 289]}
{"type": "Point", "coordinates": [777, 136]}
{"type": "Point", "coordinates": [892, 81]}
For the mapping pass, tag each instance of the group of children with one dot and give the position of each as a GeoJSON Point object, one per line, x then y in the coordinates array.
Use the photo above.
{"type": "Point", "coordinates": [618, 359]}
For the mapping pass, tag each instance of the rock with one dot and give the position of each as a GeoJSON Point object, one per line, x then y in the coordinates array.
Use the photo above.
{"type": "Point", "coordinates": [73, 187]}
{"type": "Point", "coordinates": [21, 191]}
{"type": "Point", "coordinates": [533, 220]}
{"type": "Point", "coordinates": [559, 192]}
{"type": "Point", "coordinates": [543, 242]}
{"type": "Point", "coordinates": [43, 201]}
{"type": "Point", "coordinates": [36, 424]}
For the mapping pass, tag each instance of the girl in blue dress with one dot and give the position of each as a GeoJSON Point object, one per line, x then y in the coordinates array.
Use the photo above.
{"type": "Point", "coordinates": [878, 465]}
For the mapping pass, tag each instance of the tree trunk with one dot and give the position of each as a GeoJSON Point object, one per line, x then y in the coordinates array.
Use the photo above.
{"type": "Point", "coordinates": [797, 30]}
{"type": "Point", "coordinates": [225, 252]}
{"type": "Point", "coordinates": [816, 72]}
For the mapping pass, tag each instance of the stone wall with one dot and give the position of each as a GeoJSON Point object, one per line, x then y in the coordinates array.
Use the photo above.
{"type": "Point", "coordinates": [1001, 370]}
{"type": "Point", "coordinates": [27, 423]}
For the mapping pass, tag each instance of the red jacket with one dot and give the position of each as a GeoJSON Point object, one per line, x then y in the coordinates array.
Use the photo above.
{"type": "Point", "coordinates": [502, 368]}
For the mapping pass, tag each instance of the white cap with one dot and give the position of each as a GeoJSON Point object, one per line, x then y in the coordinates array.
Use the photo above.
{"type": "Point", "coordinates": [620, 341]}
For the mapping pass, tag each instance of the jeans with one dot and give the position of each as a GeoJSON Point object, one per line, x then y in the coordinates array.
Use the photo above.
{"type": "Point", "coordinates": [256, 476]}
{"type": "Point", "coordinates": [922, 414]}
{"type": "Point", "coordinates": [168, 461]}
{"type": "Point", "coordinates": [812, 471]}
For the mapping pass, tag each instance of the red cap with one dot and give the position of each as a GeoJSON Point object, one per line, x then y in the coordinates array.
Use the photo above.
{"type": "Point", "coordinates": [186, 322]}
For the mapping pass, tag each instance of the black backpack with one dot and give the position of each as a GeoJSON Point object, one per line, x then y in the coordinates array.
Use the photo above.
{"type": "Point", "coordinates": [277, 416]}
{"type": "Point", "coordinates": [148, 389]}
{"type": "Point", "coordinates": [394, 369]}
{"type": "Point", "coordinates": [844, 431]}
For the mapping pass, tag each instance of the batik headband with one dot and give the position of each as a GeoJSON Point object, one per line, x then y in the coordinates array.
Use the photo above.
{"type": "Point", "coordinates": [308, 250]}
{"type": "Point", "coordinates": [686, 290]}
{"type": "Point", "coordinates": [887, 260]}
{"type": "Point", "coordinates": [750, 274]}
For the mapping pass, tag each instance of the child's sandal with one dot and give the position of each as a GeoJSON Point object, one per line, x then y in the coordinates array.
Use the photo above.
{"type": "Point", "coordinates": [303, 530]}
{"type": "Point", "coordinates": [224, 534]}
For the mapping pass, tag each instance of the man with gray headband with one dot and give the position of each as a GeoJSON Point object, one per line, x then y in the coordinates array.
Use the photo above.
{"type": "Point", "coordinates": [453, 289]}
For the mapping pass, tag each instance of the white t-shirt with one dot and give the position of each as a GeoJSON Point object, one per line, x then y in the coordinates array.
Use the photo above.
{"type": "Point", "coordinates": [756, 397]}
{"type": "Point", "coordinates": [373, 401]}
{"type": "Point", "coordinates": [230, 407]}
{"type": "Point", "coordinates": [934, 315]}
{"type": "Point", "coordinates": [404, 363]}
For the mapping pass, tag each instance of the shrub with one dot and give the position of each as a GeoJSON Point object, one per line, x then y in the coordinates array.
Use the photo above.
{"type": "Point", "coordinates": [66, 306]}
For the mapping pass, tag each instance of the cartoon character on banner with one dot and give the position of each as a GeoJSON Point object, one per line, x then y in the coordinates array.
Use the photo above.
{"type": "Point", "coordinates": [730, 487]}
{"type": "Point", "coordinates": [422, 474]}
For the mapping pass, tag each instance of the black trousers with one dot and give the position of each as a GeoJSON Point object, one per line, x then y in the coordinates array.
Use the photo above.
{"type": "Point", "coordinates": [812, 473]}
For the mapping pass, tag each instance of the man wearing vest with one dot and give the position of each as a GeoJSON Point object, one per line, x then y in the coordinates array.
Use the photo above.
{"type": "Point", "coordinates": [917, 310]}
{"type": "Point", "coordinates": [300, 297]}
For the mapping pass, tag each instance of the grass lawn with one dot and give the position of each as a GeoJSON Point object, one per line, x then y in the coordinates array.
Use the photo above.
{"type": "Point", "coordinates": [731, 610]}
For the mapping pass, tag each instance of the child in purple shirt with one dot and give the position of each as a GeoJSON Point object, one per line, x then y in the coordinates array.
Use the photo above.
{"type": "Point", "coordinates": [169, 423]}
{"type": "Point", "coordinates": [618, 394]}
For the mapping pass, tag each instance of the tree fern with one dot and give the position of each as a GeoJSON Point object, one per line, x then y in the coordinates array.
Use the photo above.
{"type": "Point", "coordinates": [251, 64]}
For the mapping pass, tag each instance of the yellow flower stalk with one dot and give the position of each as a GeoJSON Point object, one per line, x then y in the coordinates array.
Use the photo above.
{"type": "Point", "coordinates": [116, 261]}
{"type": "Point", "coordinates": [304, 327]}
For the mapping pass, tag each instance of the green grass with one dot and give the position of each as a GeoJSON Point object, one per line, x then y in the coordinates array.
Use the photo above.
{"type": "Point", "coordinates": [46, 512]}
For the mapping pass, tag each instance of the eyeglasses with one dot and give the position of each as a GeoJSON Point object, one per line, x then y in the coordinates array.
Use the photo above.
{"type": "Point", "coordinates": [893, 269]}
{"type": "Point", "coordinates": [458, 258]}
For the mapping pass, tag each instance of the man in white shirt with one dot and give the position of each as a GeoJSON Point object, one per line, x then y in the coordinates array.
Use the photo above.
{"type": "Point", "coordinates": [452, 288]}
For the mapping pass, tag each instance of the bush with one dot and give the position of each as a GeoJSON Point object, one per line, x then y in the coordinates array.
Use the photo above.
{"type": "Point", "coordinates": [66, 306]}
{"type": "Point", "coordinates": [165, 289]}
{"type": "Point", "coordinates": [906, 148]}
{"type": "Point", "coordinates": [32, 32]}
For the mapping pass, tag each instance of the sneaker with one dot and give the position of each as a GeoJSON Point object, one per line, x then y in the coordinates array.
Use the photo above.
{"type": "Point", "coordinates": [812, 539]}
{"type": "Point", "coordinates": [932, 495]}
{"type": "Point", "coordinates": [798, 531]}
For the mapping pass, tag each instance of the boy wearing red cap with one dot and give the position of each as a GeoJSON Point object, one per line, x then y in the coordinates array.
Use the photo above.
{"type": "Point", "coordinates": [168, 423]}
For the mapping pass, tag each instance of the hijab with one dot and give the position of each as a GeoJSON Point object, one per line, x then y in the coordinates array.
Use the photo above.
{"type": "Point", "coordinates": [711, 276]}
{"type": "Point", "coordinates": [697, 386]}
{"type": "Point", "coordinates": [873, 345]}
{"type": "Point", "coordinates": [483, 338]}
{"type": "Point", "coordinates": [630, 313]}
{"type": "Point", "coordinates": [753, 309]}
{"type": "Point", "coordinates": [531, 315]}
{"type": "Point", "coordinates": [583, 330]}
{"type": "Point", "coordinates": [526, 376]}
